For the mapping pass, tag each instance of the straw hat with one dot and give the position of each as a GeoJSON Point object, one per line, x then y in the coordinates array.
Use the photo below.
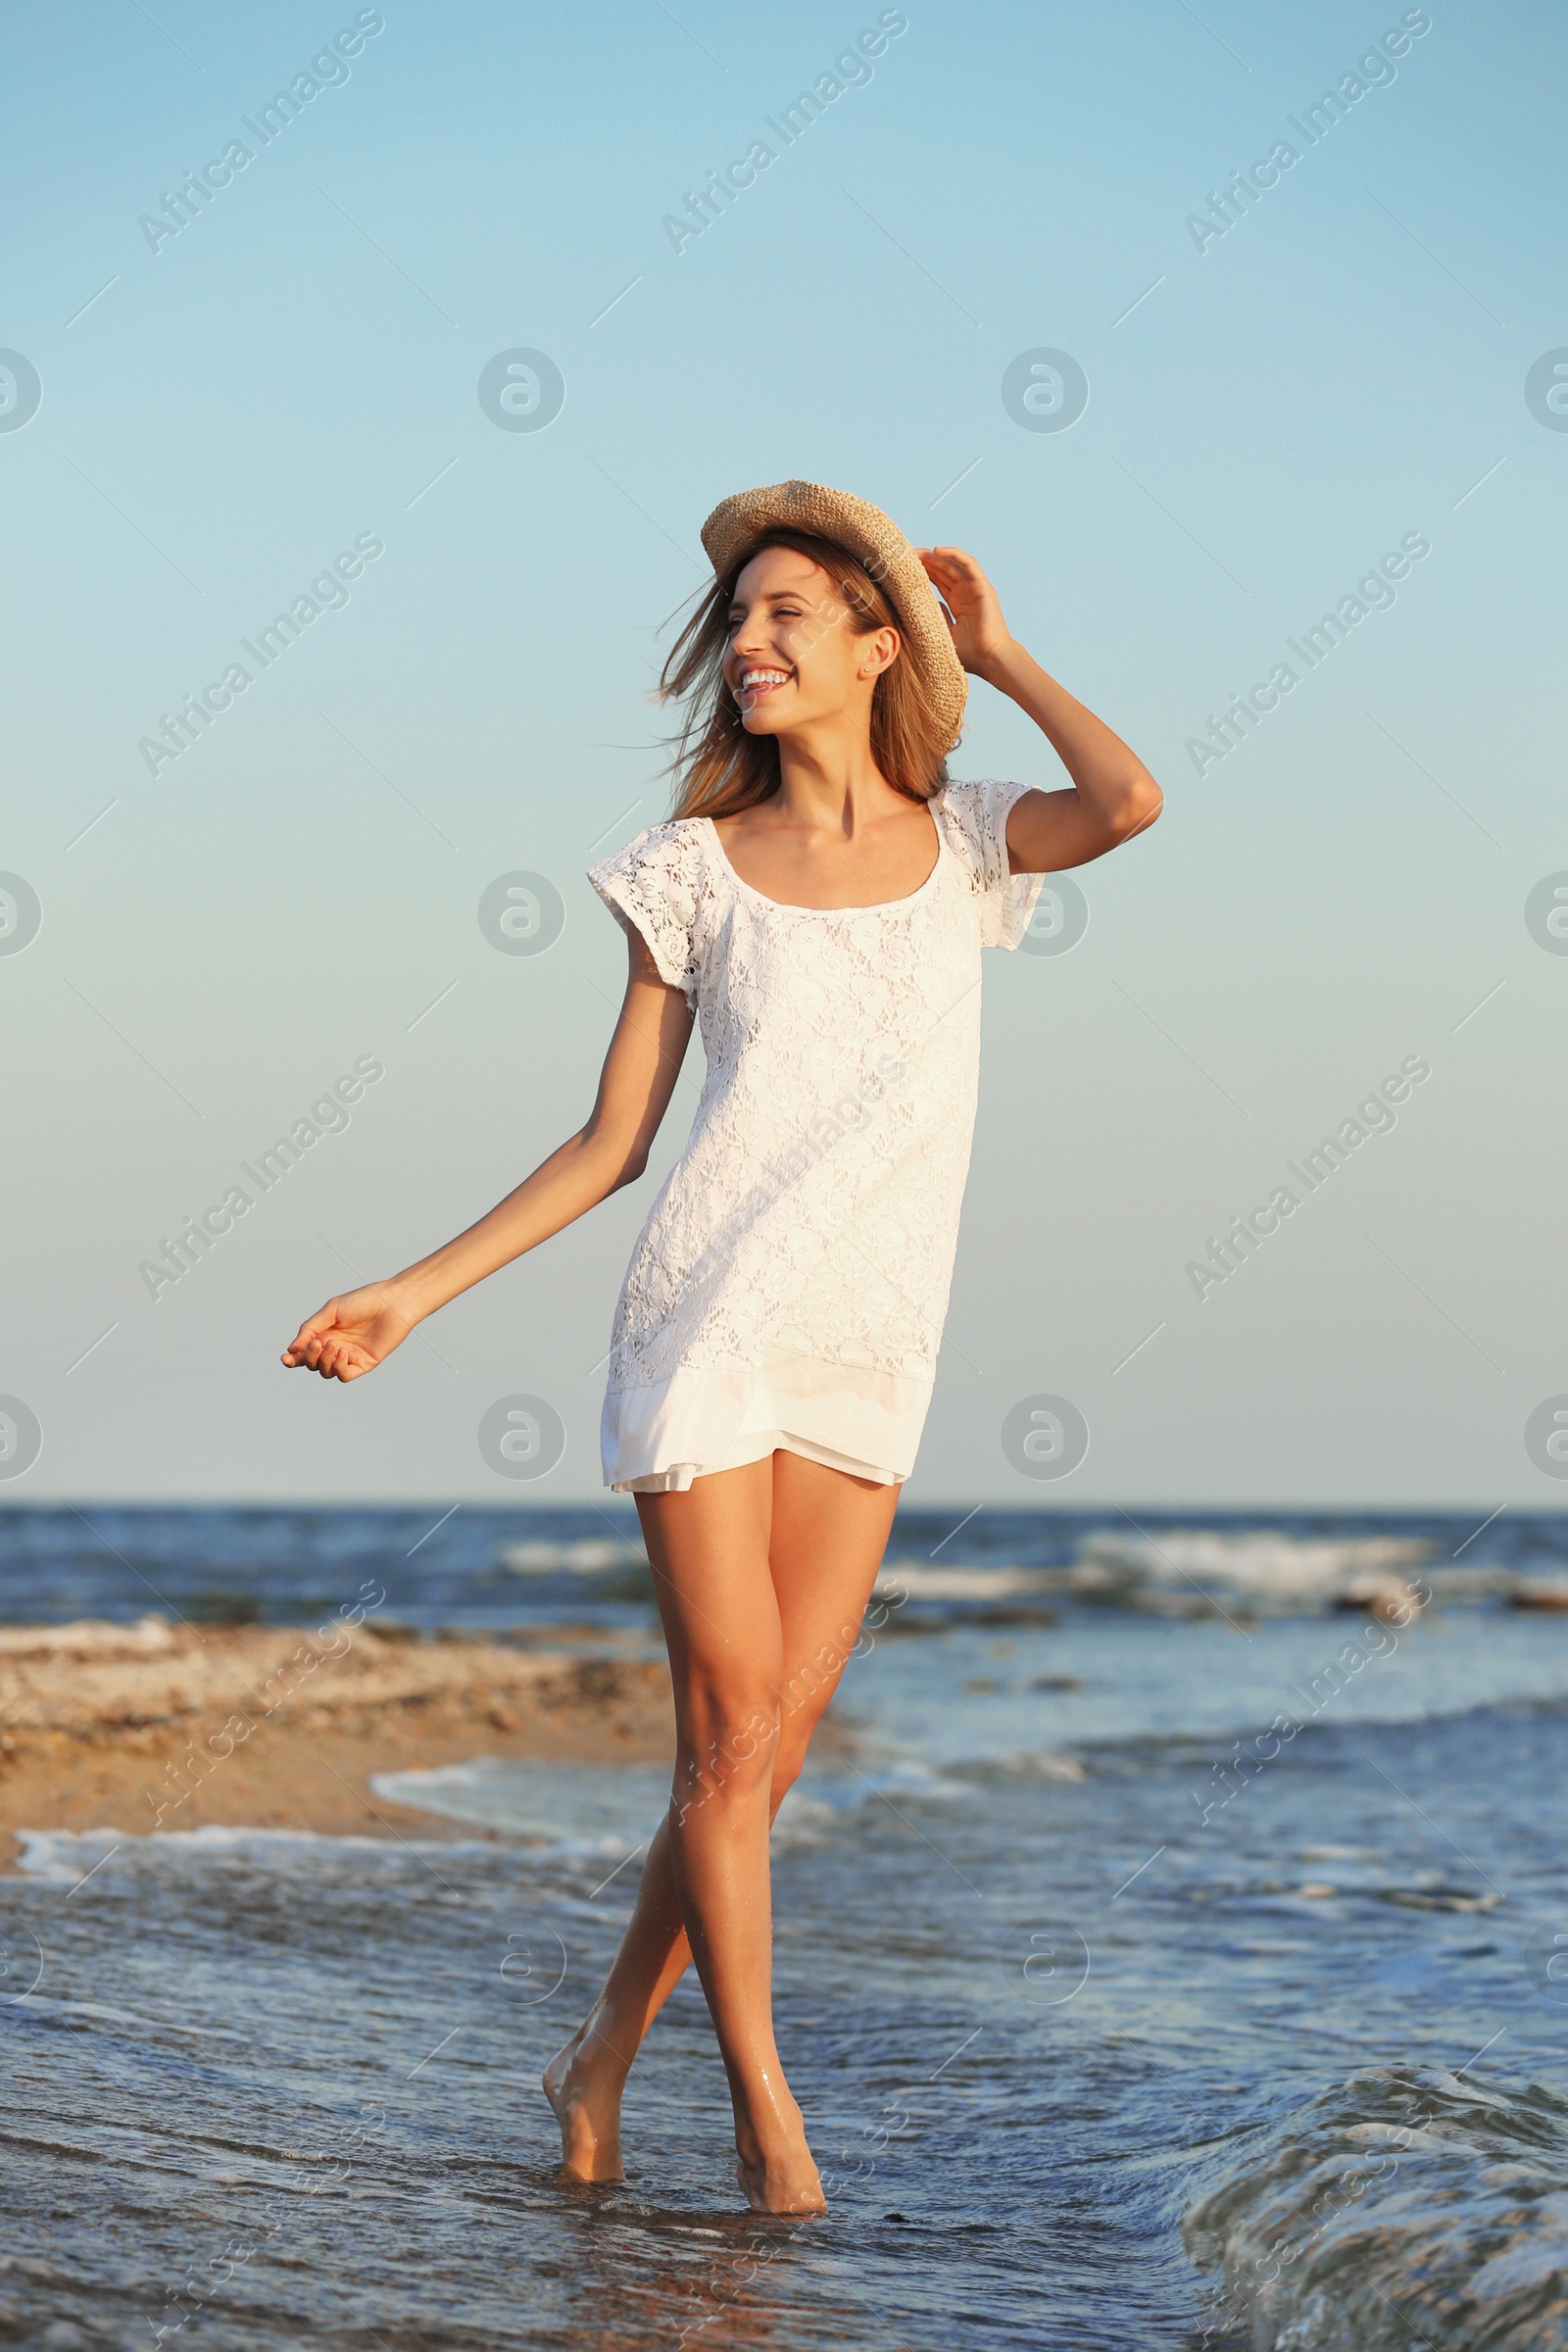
{"type": "Point", "coordinates": [737, 523]}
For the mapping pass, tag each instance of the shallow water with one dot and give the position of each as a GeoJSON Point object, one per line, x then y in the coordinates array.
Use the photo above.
{"type": "Point", "coordinates": [1058, 1974]}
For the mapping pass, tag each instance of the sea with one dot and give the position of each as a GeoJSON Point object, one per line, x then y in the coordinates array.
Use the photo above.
{"type": "Point", "coordinates": [1175, 1954]}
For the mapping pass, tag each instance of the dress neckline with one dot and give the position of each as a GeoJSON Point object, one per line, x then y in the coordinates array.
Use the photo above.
{"type": "Point", "coordinates": [787, 906]}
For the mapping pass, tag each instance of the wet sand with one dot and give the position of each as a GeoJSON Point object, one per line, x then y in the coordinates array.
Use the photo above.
{"type": "Point", "coordinates": [162, 1727]}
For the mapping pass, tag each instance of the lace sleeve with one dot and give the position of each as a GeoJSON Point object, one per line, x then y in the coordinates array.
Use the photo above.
{"type": "Point", "coordinates": [977, 825]}
{"type": "Point", "coordinates": [651, 887]}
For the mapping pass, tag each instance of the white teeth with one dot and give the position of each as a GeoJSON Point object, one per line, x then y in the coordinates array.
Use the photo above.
{"type": "Point", "coordinates": [764, 677]}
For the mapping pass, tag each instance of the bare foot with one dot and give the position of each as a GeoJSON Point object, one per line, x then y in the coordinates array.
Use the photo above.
{"type": "Point", "coordinates": [588, 2111]}
{"type": "Point", "coordinates": [785, 2183]}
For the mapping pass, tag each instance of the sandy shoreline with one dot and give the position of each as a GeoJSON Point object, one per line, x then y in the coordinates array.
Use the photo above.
{"type": "Point", "coordinates": [161, 1728]}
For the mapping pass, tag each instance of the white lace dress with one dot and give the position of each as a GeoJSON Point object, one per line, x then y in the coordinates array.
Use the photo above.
{"type": "Point", "coordinates": [788, 1286]}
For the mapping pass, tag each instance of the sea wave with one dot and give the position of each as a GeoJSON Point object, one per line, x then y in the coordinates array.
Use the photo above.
{"type": "Point", "coordinates": [591, 1810]}
{"type": "Point", "coordinates": [1406, 2206]}
{"type": "Point", "coordinates": [1263, 1563]}
{"type": "Point", "coordinates": [913, 1580]}
{"type": "Point", "coordinates": [583, 1556]}
{"type": "Point", "coordinates": [67, 1857]}
{"type": "Point", "coordinates": [594, 1810]}
{"type": "Point", "coordinates": [1198, 1571]}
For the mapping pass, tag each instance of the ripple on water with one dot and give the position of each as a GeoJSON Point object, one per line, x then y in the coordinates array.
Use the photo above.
{"type": "Point", "coordinates": [1404, 2206]}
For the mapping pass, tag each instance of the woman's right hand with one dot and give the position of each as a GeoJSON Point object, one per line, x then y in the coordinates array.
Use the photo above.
{"type": "Point", "coordinates": [350, 1334]}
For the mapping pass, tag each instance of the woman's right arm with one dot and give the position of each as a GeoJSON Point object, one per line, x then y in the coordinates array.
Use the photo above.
{"type": "Point", "coordinates": [352, 1335]}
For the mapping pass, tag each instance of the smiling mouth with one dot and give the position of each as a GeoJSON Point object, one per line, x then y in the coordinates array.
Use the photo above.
{"type": "Point", "coordinates": [755, 681]}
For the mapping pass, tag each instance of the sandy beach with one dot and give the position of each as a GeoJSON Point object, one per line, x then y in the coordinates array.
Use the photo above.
{"type": "Point", "coordinates": [160, 1727]}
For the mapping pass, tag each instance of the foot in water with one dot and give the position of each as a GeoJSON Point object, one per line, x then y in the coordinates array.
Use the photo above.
{"type": "Point", "coordinates": [785, 2183]}
{"type": "Point", "coordinates": [587, 2106]}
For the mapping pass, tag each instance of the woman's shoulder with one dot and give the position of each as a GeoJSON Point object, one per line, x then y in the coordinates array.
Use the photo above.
{"type": "Point", "coordinates": [676, 846]}
{"type": "Point", "coordinates": [675, 829]}
{"type": "Point", "coordinates": [975, 812]}
{"type": "Point", "coordinates": [974, 817]}
{"type": "Point", "coordinates": [657, 884]}
{"type": "Point", "coordinates": [963, 797]}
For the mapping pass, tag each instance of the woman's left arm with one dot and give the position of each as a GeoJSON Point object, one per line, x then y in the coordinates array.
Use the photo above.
{"type": "Point", "coordinates": [1114, 795]}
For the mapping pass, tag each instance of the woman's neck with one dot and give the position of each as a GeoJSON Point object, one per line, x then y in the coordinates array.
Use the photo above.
{"type": "Point", "coordinates": [828, 778]}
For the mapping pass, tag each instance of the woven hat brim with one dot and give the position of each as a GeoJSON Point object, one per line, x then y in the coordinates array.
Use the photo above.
{"type": "Point", "coordinates": [737, 523]}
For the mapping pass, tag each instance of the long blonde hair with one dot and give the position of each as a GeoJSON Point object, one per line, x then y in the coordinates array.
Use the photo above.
{"type": "Point", "coordinates": [719, 768]}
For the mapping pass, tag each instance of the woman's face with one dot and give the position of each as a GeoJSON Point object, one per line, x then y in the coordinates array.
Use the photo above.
{"type": "Point", "coordinates": [792, 655]}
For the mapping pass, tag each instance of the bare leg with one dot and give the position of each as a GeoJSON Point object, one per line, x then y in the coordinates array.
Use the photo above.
{"type": "Point", "coordinates": [585, 2078]}
{"type": "Point", "coordinates": [824, 1535]}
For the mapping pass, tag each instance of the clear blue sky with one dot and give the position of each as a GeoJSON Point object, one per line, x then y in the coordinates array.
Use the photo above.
{"type": "Point", "coordinates": [1271, 411]}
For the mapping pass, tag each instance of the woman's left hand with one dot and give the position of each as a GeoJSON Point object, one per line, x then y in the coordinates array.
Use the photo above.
{"type": "Point", "coordinates": [971, 607]}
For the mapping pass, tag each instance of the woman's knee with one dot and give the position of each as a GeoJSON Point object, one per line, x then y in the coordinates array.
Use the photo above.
{"type": "Point", "coordinates": [802, 1702]}
{"type": "Point", "coordinates": [807, 1689]}
{"type": "Point", "coordinates": [727, 1735]}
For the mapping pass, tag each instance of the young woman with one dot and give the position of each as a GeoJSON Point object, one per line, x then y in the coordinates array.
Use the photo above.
{"type": "Point", "coordinates": [818, 901]}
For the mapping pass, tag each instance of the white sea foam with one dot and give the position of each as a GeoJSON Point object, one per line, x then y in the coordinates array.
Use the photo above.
{"type": "Point", "coordinates": [67, 1856]}
{"type": "Point", "coordinates": [64, 1854]}
{"type": "Point", "coordinates": [1183, 1571]}
{"type": "Point", "coordinates": [587, 1555]}
{"type": "Point", "coordinates": [91, 1636]}
{"type": "Point", "coordinates": [597, 1810]}
{"type": "Point", "coordinates": [1263, 1565]}
{"type": "Point", "coordinates": [914, 1581]}
{"type": "Point", "coordinates": [589, 1809]}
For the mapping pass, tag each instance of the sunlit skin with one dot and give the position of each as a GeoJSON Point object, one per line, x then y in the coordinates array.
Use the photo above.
{"type": "Point", "coordinates": [836, 834]}
{"type": "Point", "coordinates": [763, 1574]}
